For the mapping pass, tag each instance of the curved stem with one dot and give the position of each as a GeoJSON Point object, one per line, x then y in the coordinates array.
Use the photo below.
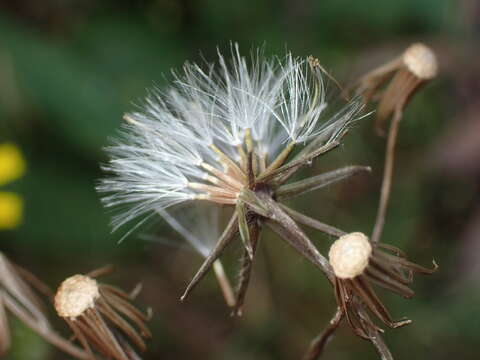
{"type": "Point", "coordinates": [45, 332]}
{"type": "Point", "coordinates": [246, 271]}
{"type": "Point", "coordinates": [318, 344]}
{"type": "Point", "coordinates": [224, 283]}
{"type": "Point", "coordinates": [387, 177]}
{"type": "Point", "coordinates": [313, 223]}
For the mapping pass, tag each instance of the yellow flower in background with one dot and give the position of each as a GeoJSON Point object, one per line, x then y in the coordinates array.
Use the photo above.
{"type": "Point", "coordinates": [12, 166]}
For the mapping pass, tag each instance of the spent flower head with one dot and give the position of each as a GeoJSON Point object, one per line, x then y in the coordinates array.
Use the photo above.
{"type": "Point", "coordinates": [231, 134]}
{"type": "Point", "coordinates": [357, 264]}
{"type": "Point", "coordinates": [101, 317]}
{"type": "Point", "coordinates": [393, 84]}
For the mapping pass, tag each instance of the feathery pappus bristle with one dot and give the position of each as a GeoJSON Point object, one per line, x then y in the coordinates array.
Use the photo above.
{"type": "Point", "coordinates": [189, 142]}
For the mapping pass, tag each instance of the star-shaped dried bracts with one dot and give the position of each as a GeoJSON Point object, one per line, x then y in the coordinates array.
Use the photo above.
{"type": "Point", "coordinates": [259, 204]}
{"type": "Point", "coordinates": [357, 264]}
{"type": "Point", "coordinates": [234, 138]}
{"type": "Point", "coordinates": [102, 318]}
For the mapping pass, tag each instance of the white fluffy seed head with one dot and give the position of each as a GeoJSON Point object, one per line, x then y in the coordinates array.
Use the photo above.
{"type": "Point", "coordinates": [75, 295]}
{"type": "Point", "coordinates": [349, 255]}
{"type": "Point", "coordinates": [421, 61]}
{"type": "Point", "coordinates": [206, 111]}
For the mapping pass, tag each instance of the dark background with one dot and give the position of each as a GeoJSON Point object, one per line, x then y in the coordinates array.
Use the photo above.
{"type": "Point", "coordinates": [69, 70]}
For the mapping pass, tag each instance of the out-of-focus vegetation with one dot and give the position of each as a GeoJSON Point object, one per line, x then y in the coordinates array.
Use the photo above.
{"type": "Point", "coordinates": [70, 69]}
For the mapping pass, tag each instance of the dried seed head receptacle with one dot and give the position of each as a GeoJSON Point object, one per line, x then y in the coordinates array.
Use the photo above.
{"type": "Point", "coordinates": [101, 318]}
{"type": "Point", "coordinates": [232, 135]}
{"type": "Point", "coordinates": [404, 75]}
{"type": "Point", "coordinates": [357, 264]}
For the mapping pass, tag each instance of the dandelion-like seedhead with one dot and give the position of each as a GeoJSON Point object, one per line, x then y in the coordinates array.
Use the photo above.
{"type": "Point", "coordinates": [189, 141]}
{"type": "Point", "coordinates": [232, 134]}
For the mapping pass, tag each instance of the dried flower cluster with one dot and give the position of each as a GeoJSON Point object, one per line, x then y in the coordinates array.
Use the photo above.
{"type": "Point", "coordinates": [233, 135]}
{"type": "Point", "coordinates": [227, 136]}
{"type": "Point", "coordinates": [401, 77]}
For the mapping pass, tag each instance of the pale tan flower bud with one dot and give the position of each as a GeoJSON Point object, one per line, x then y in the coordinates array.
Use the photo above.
{"type": "Point", "coordinates": [349, 255]}
{"type": "Point", "coordinates": [421, 61]}
{"type": "Point", "coordinates": [75, 295]}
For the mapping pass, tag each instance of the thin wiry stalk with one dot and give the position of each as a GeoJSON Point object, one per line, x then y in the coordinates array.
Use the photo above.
{"type": "Point", "coordinates": [20, 290]}
{"type": "Point", "coordinates": [105, 308]}
{"type": "Point", "coordinates": [104, 270]}
{"type": "Point", "coordinates": [381, 347]}
{"type": "Point", "coordinates": [98, 328]}
{"type": "Point", "coordinates": [5, 338]}
{"type": "Point", "coordinates": [318, 344]}
{"type": "Point", "coordinates": [45, 332]}
{"type": "Point", "coordinates": [34, 281]}
{"type": "Point", "coordinates": [243, 228]}
{"type": "Point", "coordinates": [313, 223]}
{"type": "Point", "coordinates": [375, 338]}
{"type": "Point", "coordinates": [224, 283]}
{"type": "Point", "coordinates": [246, 270]}
{"type": "Point", "coordinates": [387, 176]}
{"type": "Point", "coordinates": [387, 282]}
{"type": "Point", "coordinates": [316, 182]}
{"type": "Point", "coordinates": [81, 338]}
{"type": "Point", "coordinates": [123, 306]}
{"type": "Point", "coordinates": [292, 166]}
{"type": "Point", "coordinates": [225, 239]}
{"type": "Point", "coordinates": [279, 161]}
{"type": "Point", "coordinates": [368, 84]}
{"type": "Point", "coordinates": [300, 244]}
{"type": "Point", "coordinates": [371, 300]}
{"type": "Point", "coordinates": [131, 353]}
{"type": "Point", "coordinates": [283, 225]}
{"type": "Point", "coordinates": [393, 249]}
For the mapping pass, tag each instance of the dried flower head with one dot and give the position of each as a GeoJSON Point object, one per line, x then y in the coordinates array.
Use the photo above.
{"type": "Point", "coordinates": [358, 263]}
{"type": "Point", "coordinates": [75, 295]}
{"type": "Point", "coordinates": [101, 317]}
{"type": "Point", "coordinates": [421, 61]}
{"type": "Point", "coordinates": [349, 255]}
{"type": "Point", "coordinates": [392, 85]}
{"type": "Point", "coordinates": [404, 75]}
{"type": "Point", "coordinates": [232, 134]}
